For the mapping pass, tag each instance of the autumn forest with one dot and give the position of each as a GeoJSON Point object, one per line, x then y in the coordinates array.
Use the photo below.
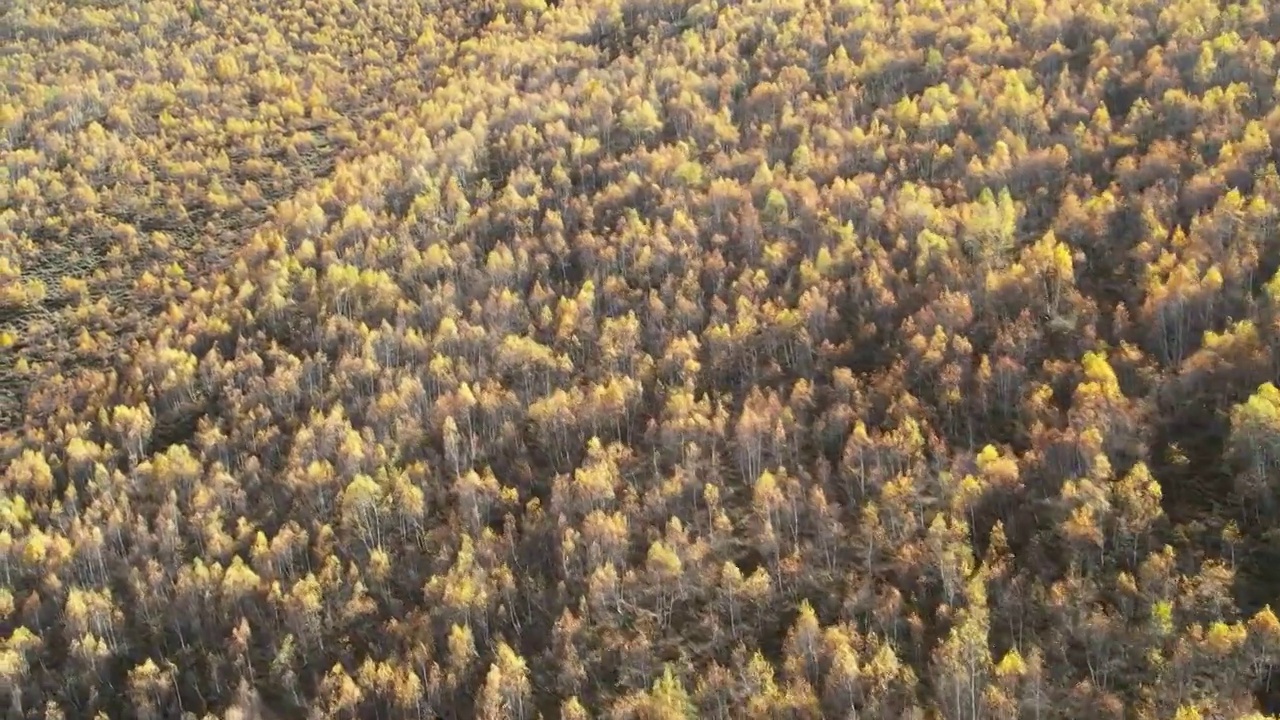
{"type": "Point", "coordinates": [639, 359]}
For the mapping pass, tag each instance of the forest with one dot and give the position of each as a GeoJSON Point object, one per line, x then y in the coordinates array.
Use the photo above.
{"type": "Point", "coordinates": [639, 359]}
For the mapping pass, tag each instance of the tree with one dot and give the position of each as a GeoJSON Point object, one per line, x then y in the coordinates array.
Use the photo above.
{"type": "Point", "coordinates": [149, 688]}
{"type": "Point", "coordinates": [989, 227]}
{"type": "Point", "coordinates": [361, 502]}
{"type": "Point", "coordinates": [962, 663]}
{"type": "Point", "coordinates": [342, 695]}
{"type": "Point", "coordinates": [1136, 498]}
{"type": "Point", "coordinates": [803, 646]}
{"type": "Point", "coordinates": [14, 664]}
{"type": "Point", "coordinates": [30, 474]}
{"type": "Point", "coordinates": [1255, 445]}
{"type": "Point", "coordinates": [132, 427]}
{"type": "Point", "coordinates": [506, 692]}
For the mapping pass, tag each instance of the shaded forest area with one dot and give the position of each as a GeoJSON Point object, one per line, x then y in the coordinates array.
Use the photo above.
{"type": "Point", "coordinates": [639, 360]}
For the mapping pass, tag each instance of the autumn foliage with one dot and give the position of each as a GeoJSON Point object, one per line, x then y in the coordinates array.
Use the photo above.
{"type": "Point", "coordinates": [639, 359]}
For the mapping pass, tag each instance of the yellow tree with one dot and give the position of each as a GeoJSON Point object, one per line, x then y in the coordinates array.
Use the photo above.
{"type": "Point", "coordinates": [1254, 445]}
{"type": "Point", "coordinates": [962, 664]}
{"type": "Point", "coordinates": [506, 694]}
